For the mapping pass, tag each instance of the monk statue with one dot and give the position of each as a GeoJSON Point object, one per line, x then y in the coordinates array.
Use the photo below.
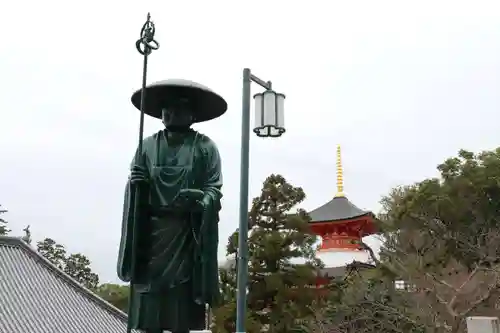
{"type": "Point", "coordinates": [168, 248]}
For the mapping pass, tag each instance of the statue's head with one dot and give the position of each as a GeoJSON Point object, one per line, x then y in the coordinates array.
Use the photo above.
{"type": "Point", "coordinates": [177, 115]}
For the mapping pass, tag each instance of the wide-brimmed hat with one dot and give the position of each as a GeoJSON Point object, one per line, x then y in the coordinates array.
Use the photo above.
{"type": "Point", "coordinates": [205, 103]}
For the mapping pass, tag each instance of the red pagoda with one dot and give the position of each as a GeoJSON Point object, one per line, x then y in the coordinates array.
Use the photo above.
{"type": "Point", "coordinates": [339, 223]}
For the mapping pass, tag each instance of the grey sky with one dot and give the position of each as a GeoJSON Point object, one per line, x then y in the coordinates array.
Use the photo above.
{"type": "Point", "coordinates": [399, 86]}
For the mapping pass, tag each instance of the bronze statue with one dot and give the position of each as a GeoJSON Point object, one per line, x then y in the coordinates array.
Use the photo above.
{"type": "Point", "coordinates": [168, 248]}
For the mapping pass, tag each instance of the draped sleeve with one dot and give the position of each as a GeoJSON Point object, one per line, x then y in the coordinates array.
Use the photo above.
{"type": "Point", "coordinates": [206, 269]}
{"type": "Point", "coordinates": [124, 264]}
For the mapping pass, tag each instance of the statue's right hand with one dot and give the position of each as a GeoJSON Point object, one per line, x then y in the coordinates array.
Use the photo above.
{"type": "Point", "coordinates": [138, 174]}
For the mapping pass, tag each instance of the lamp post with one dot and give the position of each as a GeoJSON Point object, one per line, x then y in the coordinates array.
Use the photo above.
{"type": "Point", "coordinates": [269, 122]}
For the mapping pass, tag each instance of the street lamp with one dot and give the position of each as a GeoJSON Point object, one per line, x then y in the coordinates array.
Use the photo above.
{"type": "Point", "coordinates": [269, 122]}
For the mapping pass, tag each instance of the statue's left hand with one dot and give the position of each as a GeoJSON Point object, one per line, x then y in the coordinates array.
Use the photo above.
{"type": "Point", "coordinates": [190, 198]}
{"type": "Point", "coordinates": [192, 194]}
{"type": "Point", "coordinates": [202, 204]}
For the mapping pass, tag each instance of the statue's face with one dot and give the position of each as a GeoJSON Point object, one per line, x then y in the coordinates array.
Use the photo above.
{"type": "Point", "coordinates": [177, 115]}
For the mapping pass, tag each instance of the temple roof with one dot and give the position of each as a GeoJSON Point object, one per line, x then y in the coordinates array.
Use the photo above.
{"type": "Point", "coordinates": [37, 297]}
{"type": "Point", "coordinates": [337, 209]}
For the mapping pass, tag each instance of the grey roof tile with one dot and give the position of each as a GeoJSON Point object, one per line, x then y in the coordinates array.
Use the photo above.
{"type": "Point", "coordinates": [337, 209]}
{"type": "Point", "coordinates": [37, 297]}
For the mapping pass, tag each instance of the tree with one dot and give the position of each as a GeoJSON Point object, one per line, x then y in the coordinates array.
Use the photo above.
{"type": "Point", "coordinates": [369, 303]}
{"type": "Point", "coordinates": [53, 252]}
{"type": "Point", "coordinates": [282, 260]}
{"type": "Point", "coordinates": [78, 267]}
{"type": "Point", "coordinates": [224, 316]}
{"type": "Point", "coordinates": [442, 238]}
{"type": "Point", "coordinates": [3, 223]}
{"type": "Point", "coordinates": [116, 294]}
{"type": "Point", "coordinates": [75, 265]}
{"type": "Point", "coordinates": [227, 276]}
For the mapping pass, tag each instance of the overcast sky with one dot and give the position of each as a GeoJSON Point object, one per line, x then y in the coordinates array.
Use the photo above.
{"type": "Point", "coordinates": [401, 87]}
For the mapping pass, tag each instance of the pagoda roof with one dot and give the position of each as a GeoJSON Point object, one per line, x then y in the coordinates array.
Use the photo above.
{"type": "Point", "coordinates": [337, 209]}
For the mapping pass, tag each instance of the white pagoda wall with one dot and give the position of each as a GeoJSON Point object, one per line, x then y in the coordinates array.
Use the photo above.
{"type": "Point", "coordinates": [337, 258]}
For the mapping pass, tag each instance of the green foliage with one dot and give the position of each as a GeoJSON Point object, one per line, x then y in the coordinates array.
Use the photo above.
{"type": "Point", "coordinates": [227, 278]}
{"type": "Point", "coordinates": [370, 304]}
{"type": "Point", "coordinates": [78, 267]}
{"type": "Point", "coordinates": [75, 265]}
{"type": "Point", "coordinates": [282, 261]}
{"type": "Point", "coordinates": [224, 316]}
{"type": "Point", "coordinates": [53, 252]}
{"type": "Point", "coordinates": [461, 206]}
{"type": "Point", "coordinates": [116, 294]}
{"type": "Point", "coordinates": [3, 223]}
{"type": "Point", "coordinates": [442, 237]}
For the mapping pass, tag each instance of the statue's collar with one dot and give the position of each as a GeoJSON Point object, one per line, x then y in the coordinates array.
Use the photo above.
{"type": "Point", "coordinates": [178, 130]}
{"type": "Point", "coordinates": [176, 136]}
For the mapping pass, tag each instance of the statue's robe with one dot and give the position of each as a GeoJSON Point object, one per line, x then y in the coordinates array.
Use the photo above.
{"type": "Point", "coordinates": [176, 271]}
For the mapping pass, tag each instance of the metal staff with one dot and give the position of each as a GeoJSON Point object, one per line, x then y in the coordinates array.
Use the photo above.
{"type": "Point", "coordinates": [145, 45]}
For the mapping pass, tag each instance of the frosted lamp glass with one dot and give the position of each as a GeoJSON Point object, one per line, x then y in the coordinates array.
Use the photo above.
{"type": "Point", "coordinates": [269, 108]}
{"type": "Point", "coordinates": [258, 110]}
{"type": "Point", "coordinates": [280, 111]}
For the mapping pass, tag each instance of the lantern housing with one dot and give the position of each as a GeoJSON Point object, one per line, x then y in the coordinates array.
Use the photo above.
{"type": "Point", "coordinates": [269, 114]}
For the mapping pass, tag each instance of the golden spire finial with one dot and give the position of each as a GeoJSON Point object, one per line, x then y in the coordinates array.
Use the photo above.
{"type": "Point", "coordinates": [340, 175]}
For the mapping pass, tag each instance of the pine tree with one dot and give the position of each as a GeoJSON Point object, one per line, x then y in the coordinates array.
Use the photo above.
{"type": "Point", "coordinates": [53, 252]}
{"type": "Point", "coordinates": [3, 223]}
{"type": "Point", "coordinates": [75, 265]}
{"type": "Point", "coordinates": [282, 261]}
{"type": "Point", "coordinates": [78, 267]}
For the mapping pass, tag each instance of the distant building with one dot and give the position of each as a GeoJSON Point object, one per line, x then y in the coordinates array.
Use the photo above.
{"type": "Point", "coordinates": [341, 226]}
{"type": "Point", "coordinates": [37, 297]}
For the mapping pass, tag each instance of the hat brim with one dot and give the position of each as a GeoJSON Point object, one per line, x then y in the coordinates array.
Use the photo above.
{"type": "Point", "coordinates": [205, 104]}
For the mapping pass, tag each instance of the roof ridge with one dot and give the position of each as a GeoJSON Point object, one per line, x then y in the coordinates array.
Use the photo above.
{"type": "Point", "coordinates": [19, 242]}
{"type": "Point", "coordinates": [337, 209]}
